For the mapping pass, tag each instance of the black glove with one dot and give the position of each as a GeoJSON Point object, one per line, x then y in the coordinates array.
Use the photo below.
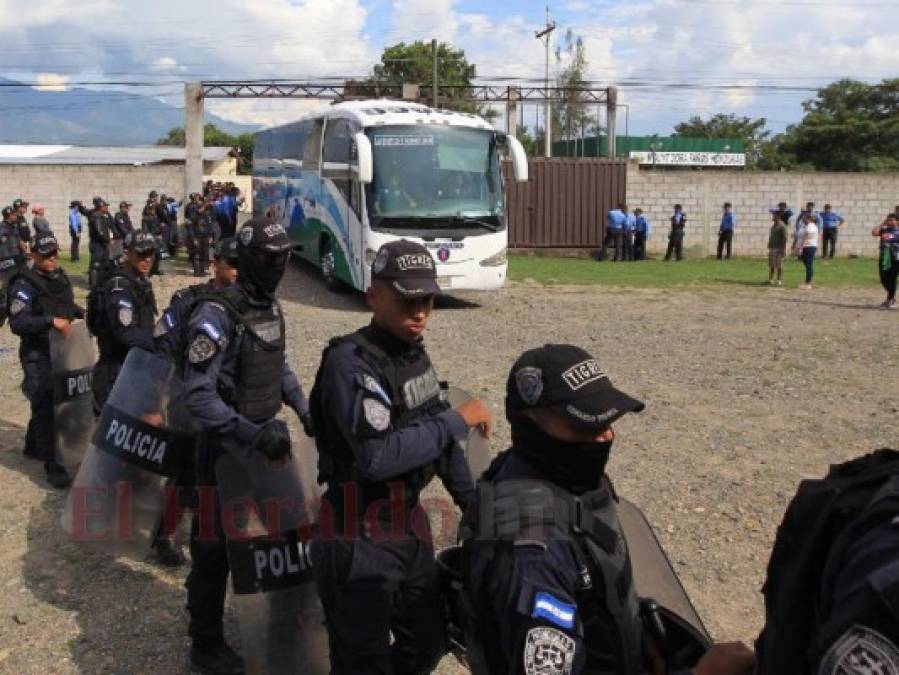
{"type": "Point", "coordinates": [273, 440]}
{"type": "Point", "coordinates": [308, 424]}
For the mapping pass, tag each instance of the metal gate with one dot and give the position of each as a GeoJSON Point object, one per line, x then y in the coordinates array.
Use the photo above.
{"type": "Point", "coordinates": [565, 202]}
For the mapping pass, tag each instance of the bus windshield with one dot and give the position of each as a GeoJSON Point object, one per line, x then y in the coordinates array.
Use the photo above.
{"type": "Point", "coordinates": [433, 174]}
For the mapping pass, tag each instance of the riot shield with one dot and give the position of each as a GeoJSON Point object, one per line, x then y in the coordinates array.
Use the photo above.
{"type": "Point", "coordinates": [268, 525]}
{"type": "Point", "coordinates": [72, 360]}
{"type": "Point", "coordinates": [119, 493]}
{"type": "Point", "coordinates": [661, 592]}
{"type": "Point", "coordinates": [477, 448]}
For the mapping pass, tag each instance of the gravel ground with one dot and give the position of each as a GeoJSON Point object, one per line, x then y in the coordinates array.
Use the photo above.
{"type": "Point", "coordinates": [747, 391]}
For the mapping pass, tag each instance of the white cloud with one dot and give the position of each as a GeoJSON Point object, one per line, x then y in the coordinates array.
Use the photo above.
{"type": "Point", "coordinates": [51, 82]}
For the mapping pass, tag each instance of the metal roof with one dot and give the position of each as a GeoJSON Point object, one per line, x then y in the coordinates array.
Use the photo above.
{"type": "Point", "coordinates": [137, 155]}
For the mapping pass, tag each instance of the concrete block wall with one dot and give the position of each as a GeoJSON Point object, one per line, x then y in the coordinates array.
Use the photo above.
{"type": "Point", "coordinates": [56, 186]}
{"type": "Point", "coordinates": [862, 198]}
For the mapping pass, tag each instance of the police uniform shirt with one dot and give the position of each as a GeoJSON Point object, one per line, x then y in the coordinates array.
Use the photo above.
{"type": "Point", "coordinates": [24, 229]}
{"type": "Point", "coordinates": [678, 220]}
{"type": "Point", "coordinates": [642, 225]}
{"type": "Point", "coordinates": [124, 311]}
{"type": "Point", "coordinates": [99, 226]}
{"type": "Point", "coordinates": [211, 362]}
{"type": "Point", "coordinates": [630, 222]}
{"type": "Point", "coordinates": [616, 219]}
{"type": "Point", "coordinates": [830, 219]}
{"type": "Point", "coordinates": [123, 224]}
{"type": "Point", "coordinates": [169, 333]}
{"type": "Point", "coordinates": [727, 222]}
{"type": "Point", "coordinates": [358, 407]}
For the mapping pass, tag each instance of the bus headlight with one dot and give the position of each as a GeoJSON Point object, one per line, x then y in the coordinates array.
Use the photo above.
{"type": "Point", "coordinates": [495, 260]}
{"type": "Point", "coordinates": [370, 254]}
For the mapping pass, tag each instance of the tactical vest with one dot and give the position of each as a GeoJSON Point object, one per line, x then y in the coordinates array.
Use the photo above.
{"type": "Point", "coordinates": [257, 381]}
{"type": "Point", "coordinates": [101, 225]}
{"type": "Point", "coordinates": [515, 512]}
{"type": "Point", "coordinates": [820, 524]}
{"type": "Point", "coordinates": [415, 393]}
{"type": "Point", "coordinates": [144, 312]}
{"type": "Point", "coordinates": [52, 297]}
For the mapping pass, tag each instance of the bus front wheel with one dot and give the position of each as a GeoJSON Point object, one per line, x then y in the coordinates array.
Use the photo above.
{"type": "Point", "coordinates": [328, 267]}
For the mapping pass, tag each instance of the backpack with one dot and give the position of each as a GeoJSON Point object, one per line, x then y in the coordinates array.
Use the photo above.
{"type": "Point", "coordinates": [819, 513]}
{"type": "Point", "coordinates": [97, 296]}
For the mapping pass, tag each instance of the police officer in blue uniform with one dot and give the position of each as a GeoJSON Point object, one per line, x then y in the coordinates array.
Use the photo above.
{"type": "Point", "coordinates": [75, 230]}
{"type": "Point", "coordinates": [615, 221]}
{"type": "Point", "coordinates": [235, 380]}
{"type": "Point", "coordinates": [641, 234]}
{"type": "Point", "coordinates": [41, 300]}
{"type": "Point", "coordinates": [546, 567]}
{"type": "Point", "coordinates": [726, 231]}
{"type": "Point", "coordinates": [383, 432]}
{"type": "Point", "coordinates": [126, 313]}
{"type": "Point", "coordinates": [832, 591]}
{"type": "Point", "coordinates": [831, 222]}
{"type": "Point", "coordinates": [626, 251]}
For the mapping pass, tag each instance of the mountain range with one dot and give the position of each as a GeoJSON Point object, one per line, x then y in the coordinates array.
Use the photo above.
{"type": "Point", "coordinates": [79, 116]}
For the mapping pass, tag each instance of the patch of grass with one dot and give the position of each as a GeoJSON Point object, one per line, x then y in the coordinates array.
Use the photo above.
{"type": "Point", "coordinates": [837, 273]}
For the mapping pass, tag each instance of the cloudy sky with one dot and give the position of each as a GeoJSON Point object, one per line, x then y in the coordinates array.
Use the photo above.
{"type": "Point", "coordinates": [670, 58]}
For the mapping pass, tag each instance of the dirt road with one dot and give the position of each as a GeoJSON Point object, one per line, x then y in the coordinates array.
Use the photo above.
{"type": "Point", "coordinates": [747, 390]}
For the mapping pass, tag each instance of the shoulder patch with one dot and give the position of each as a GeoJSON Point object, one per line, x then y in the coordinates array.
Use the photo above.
{"type": "Point", "coordinates": [214, 333]}
{"type": "Point", "coordinates": [548, 651]}
{"type": "Point", "coordinates": [550, 608]}
{"type": "Point", "coordinates": [16, 306]}
{"type": "Point", "coordinates": [372, 385]}
{"type": "Point", "coordinates": [22, 295]}
{"type": "Point", "coordinates": [376, 414]}
{"type": "Point", "coordinates": [201, 349]}
{"type": "Point", "coordinates": [861, 650]}
{"type": "Point", "coordinates": [126, 313]}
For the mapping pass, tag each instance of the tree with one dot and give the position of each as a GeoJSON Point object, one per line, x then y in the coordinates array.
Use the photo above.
{"type": "Point", "coordinates": [751, 131]}
{"type": "Point", "coordinates": [414, 64]}
{"type": "Point", "coordinates": [849, 126]}
{"type": "Point", "coordinates": [215, 137]}
{"type": "Point", "coordinates": [571, 116]}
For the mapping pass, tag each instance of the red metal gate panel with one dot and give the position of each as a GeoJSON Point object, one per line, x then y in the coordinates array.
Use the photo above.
{"type": "Point", "coordinates": [564, 203]}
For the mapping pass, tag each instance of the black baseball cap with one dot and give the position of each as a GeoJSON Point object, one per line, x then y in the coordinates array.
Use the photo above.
{"type": "Point", "coordinates": [8, 211]}
{"type": "Point", "coordinates": [568, 380]}
{"type": "Point", "coordinates": [263, 234]}
{"type": "Point", "coordinates": [227, 249]}
{"type": "Point", "coordinates": [122, 205]}
{"type": "Point", "coordinates": [44, 245]}
{"type": "Point", "coordinates": [18, 203]}
{"type": "Point", "coordinates": [408, 266]}
{"type": "Point", "coordinates": [99, 201]}
{"type": "Point", "coordinates": [140, 241]}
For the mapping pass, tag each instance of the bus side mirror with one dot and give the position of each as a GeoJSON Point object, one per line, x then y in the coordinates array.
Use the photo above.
{"type": "Point", "coordinates": [364, 158]}
{"type": "Point", "coordinates": [519, 159]}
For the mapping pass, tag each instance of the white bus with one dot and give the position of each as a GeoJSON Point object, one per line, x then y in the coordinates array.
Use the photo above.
{"type": "Point", "coordinates": [346, 180]}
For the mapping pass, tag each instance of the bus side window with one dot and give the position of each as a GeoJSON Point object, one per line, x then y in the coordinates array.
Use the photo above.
{"type": "Point", "coordinates": [313, 146]}
{"type": "Point", "coordinates": [338, 141]}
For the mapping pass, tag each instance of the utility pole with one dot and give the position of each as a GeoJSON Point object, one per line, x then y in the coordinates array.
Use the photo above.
{"type": "Point", "coordinates": [434, 98]}
{"type": "Point", "coordinates": [547, 132]}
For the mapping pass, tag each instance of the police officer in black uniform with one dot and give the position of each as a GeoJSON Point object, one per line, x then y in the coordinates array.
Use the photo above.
{"type": "Point", "coordinates": [127, 313]}
{"type": "Point", "coordinates": [546, 567]}
{"type": "Point", "coordinates": [101, 226]}
{"type": "Point", "coordinates": [170, 338]}
{"type": "Point", "coordinates": [122, 220]}
{"type": "Point", "coordinates": [12, 255]}
{"type": "Point", "coordinates": [383, 431]}
{"type": "Point", "coordinates": [40, 300]}
{"type": "Point", "coordinates": [21, 207]}
{"type": "Point", "coordinates": [832, 592]}
{"type": "Point", "coordinates": [191, 215]}
{"type": "Point", "coordinates": [201, 235]}
{"type": "Point", "coordinates": [149, 222]}
{"type": "Point", "coordinates": [235, 377]}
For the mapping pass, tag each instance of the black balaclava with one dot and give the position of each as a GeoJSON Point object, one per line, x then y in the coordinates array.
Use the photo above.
{"type": "Point", "coordinates": [263, 249]}
{"type": "Point", "coordinates": [577, 467]}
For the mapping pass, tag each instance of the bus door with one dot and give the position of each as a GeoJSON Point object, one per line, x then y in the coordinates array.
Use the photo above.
{"type": "Point", "coordinates": [343, 200]}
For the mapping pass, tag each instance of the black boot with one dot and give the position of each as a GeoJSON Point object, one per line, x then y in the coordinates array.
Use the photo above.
{"type": "Point", "coordinates": [167, 553]}
{"type": "Point", "coordinates": [215, 659]}
{"type": "Point", "coordinates": [57, 476]}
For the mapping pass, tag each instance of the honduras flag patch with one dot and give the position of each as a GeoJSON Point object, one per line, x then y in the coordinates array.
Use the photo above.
{"type": "Point", "coordinates": [555, 611]}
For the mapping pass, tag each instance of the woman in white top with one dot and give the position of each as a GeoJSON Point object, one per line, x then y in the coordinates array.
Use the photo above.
{"type": "Point", "coordinates": [807, 247]}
